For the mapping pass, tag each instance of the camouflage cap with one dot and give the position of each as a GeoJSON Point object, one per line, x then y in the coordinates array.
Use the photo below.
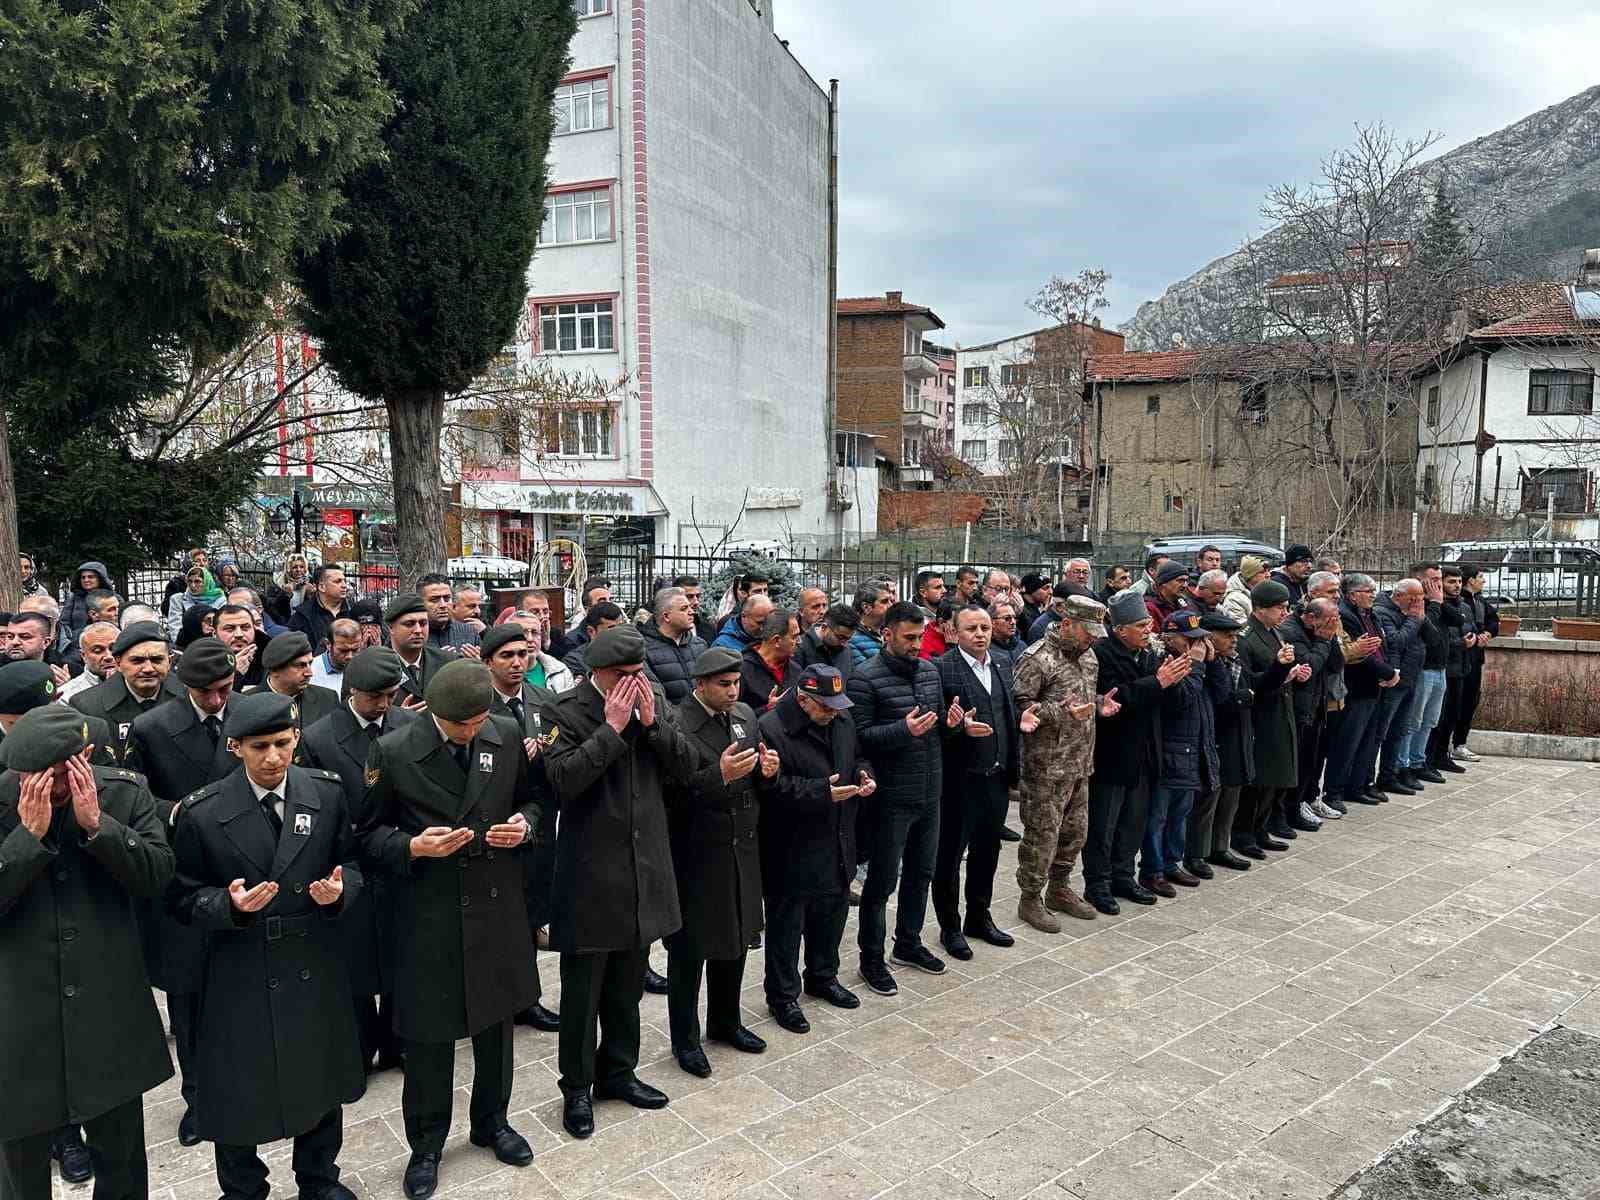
{"type": "Point", "coordinates": [1089, 613]}
{"type": "Point", "coordinates": [44, 737]}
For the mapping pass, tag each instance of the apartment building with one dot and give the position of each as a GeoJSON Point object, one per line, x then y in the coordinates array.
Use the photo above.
{"type": "Point", "coordinates": [889, 385]}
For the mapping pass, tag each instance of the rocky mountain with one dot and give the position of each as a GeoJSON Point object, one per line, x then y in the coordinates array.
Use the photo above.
{"type": "Point", "coordinates": [1534, 184]}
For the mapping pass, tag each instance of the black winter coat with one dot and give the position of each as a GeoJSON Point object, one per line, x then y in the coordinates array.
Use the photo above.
{"type": "Point", "coordinates": [1236, 741]}
{"type": "Point", "coordinates": [80, 1033]}
{"type": "Point", "coordinates": [808, 842]}
{"type": "Point", "coordinates": [1456, 619]}
{"type": "Point", "coordinates": [1402, 639]}
{"type": "Point", "coordinates": [713, 828]}
{"type": "Point", "coordinates": [1310, 697]}
{"type": "Point", "coordinates": [757, 682]}
{"type": "Point", "coordinates": [614, 885]}
{"type": "Point", "coordinates": [812, 649]}
{"type": "Point", "coordinates": [883, 690]}
{"type": "Point", "coordinates": [539, 858]}
{"type": "Point", "coordinates": [671, 663]}
{"type": "Point", "coordinates": [277, 1046]}
{"type": "Point", "coordinates": [1127, 747]}
{"type": "Point", "coordinates": [1189, 757]}
{"type": "Point", "coordinates": [1273, 711]}
{"type": "Point", "coordinates": [1361, 678]}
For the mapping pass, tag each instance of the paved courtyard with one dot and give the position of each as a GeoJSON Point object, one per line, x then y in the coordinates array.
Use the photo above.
{"type": "Point", "coordinates": [1265, 1036]}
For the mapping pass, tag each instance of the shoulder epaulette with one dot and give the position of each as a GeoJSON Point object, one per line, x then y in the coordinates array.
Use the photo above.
{"type": "Point", "coordinates": [323, 774]}
{"type": "Point", "coordinates": [205, 793]}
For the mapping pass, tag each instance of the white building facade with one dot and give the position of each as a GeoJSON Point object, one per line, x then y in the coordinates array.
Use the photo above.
{"type": "Point", "coordinates": [684, 253]}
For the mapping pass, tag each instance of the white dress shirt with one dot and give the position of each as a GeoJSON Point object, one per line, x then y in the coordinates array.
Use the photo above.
{"type": "Point", "coordinates": [981, 670]}
{"type": "Point", "coordinates": [280, 791]}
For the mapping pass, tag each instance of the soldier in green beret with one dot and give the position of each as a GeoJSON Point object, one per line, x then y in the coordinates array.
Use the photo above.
{"type": "Point", "coordinates": [81, 1036]}
{"type": "Point", "coordinates": [143, 679]}
{"type": "Point", "coordinates": [407, 619]}
{"type": "Point", "coordinates": [287, 660]}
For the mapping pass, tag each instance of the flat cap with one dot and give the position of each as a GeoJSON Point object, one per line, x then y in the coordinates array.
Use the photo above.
{"type": "Point", "coordinates": [1220, 622]}
{"type": "Point", "coordinates": [1168, 571]}
{"type": "Point", "coordinates": [1185, 622]}
{"type": "Point", "coordinates": [1087, 612]}
{"type": "Point", "coordinates": [1297, 553]}
{"type": "Point", "coordinates": [205, 663]}
{"type": "Point", "coordinates": [374, 669]}
{"type": "Point", "coordinates": [24, 686]}
{"type": "Point", "coordinates": [825, 685]}
{"type": "Point", "coordinates": [1033, 581]}
{"type": "Point", "coordinates": [284, 649]}
{"type": "Point", "coordinates": [501, 635]}
{"type": "Point", "coordinates": [619, 646]}
{"type": "Point", "coordinates": [137, 634]}
{"type": "Point", "coordinates": [259, 713]}
{"type": "Point", "coordinates": [460, 691]}
{"type": "Point", "coordinates": [402, 606]}
{"type": "Point", "coordinates": [366, 611]}
{"type": "Point", "coordinates": [715, 661]}
{"type": "Point", "coordinates": [44, 737]}
{"type": "Point", "coordinates": [1268, 594]}
{"type": "Point", "coordinates": [1127, 608]}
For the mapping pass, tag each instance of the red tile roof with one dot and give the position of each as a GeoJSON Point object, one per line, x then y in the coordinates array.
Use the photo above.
{"type": "Point", "coordinates": [1148, 366]}
{"type": "Point", "coordinates": [1497, 301]}
{"type": "Point", "coordinates": [1549, 321]}
{"type": "Point", "coordinates": [1301, 278]}
{"type": "Point", "coordinates": [882, 306]}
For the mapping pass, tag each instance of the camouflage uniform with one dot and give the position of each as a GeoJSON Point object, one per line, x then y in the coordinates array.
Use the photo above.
{"type": "Point", "coordinates": [1057, 760]}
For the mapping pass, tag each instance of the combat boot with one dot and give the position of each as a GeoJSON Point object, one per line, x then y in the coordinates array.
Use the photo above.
{"type": "Point", "coordinates": [1064, 899]}
{"type": "Point", "coordinates": [1032, 910]}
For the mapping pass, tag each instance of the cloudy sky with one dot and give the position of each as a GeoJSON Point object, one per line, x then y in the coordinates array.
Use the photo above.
{"type": "Point", "coordinates": [988, 143]}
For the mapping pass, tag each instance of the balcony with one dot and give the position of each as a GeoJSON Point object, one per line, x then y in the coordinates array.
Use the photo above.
{"type": "Point", "coordinates": [924, 414]}
{"type": "Point", "coordinates": [919, 366]}
{"type": "Point", "coordinates": [916, 475]}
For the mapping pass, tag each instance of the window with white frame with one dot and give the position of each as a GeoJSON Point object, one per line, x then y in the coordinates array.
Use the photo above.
{"type": "Point", "coordinates": [591, 8]}
{"type": "Point", "coordinates": [579, 327]}
{"type": "Point", "coordinates": [1560, 392]}
{"type": "Point", "coordinates": [975, 377]}
{"type": "Point", "coordinates": [974, 415]}
{"type": "Point", "coordinates": [587, 433]}
{"type": "Point", "coordinates": [571, 217]}
{"type": "Point", "coordinates": [1008, 450]}
{"type": "Point", "coordinates": [974, 449]}
{"type": "Point", "coordinates": [913, 340]}
{"type": "Point", "coordinates": [910, 452]}
{"type": "Point", "coordinates": [583, 105]}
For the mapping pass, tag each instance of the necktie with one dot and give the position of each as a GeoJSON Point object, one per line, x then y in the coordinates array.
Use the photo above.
{"type": "Point", "coordinates": [214, 729]}
{"type": "Point", "coordinates": [515, 705]}
{"type": "Point", "coordinates": [372, 730]}
{"type": "Point", "coordinates": [727, 725]}
{"type": "Point", "coordinates": [269, 805]}
{"type": "Point", "coordinates": [459, 753]}
{"type": "Point", "coordinates": [416, 675]}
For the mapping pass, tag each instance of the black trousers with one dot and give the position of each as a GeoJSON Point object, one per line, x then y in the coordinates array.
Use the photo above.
{"type": "Point", "coordinates": [243, 1176]}
{"type": "Point", "coordinates": [1471, 694]}
{"type": "Point", "coordinates": [970, 816]}
{"type": "Point", "coordinates": [724, 980]}
{"type": "Point", "coordinates": [1256, 808]}
{"type": "Point", "coordinates": [183, 1014]}
{"type": "Point", "coordinates": [430, 1081]}
{"type": "Point", "coordinates": [1223, 819]}
{"type": "Point", "coordinates": [116, 1145]}
{"type": "Point", "coordinates": [1310, 755]}
{"type": "Point", "coordinates": [820, 920]}
{"type": "Point", "coordinates": [1202, 816]}
{"type": "Point", "coordinates": [1117, 815]}
{"type": "Point", "coordinates": [605, 987]}
{"type": "Point", "coordinates": [905, 845]}
{"type": "Point", "coordinates": [375, 1025]}
{"type": "Point", "coordinates": [1449, 713]}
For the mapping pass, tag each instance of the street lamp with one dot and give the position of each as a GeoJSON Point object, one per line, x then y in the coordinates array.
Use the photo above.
{"type": "Point", "coordinates": [306, 519]}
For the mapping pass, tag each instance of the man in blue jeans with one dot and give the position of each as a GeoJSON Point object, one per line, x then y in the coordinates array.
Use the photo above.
{"type": "Point", "coordinates": [896, 703]}
{"type": "Point", "coordinates": [1403, 618]}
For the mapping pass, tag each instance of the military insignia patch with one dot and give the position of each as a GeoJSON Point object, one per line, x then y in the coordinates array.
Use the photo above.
{"type": "Point", "coordinates": [372, 775]}
{"type": "Point", "coordinates": [549, 739]}
{"type": "Point", "coordinates": [49, 687]}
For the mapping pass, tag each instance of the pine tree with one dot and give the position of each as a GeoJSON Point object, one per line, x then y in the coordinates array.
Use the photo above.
{"type": "Point", "coordinates": [784, 586]}
{"type": "Point", "coordinates": [426, 282]}
{"type": "Point", "coordinates": [1444, 246]}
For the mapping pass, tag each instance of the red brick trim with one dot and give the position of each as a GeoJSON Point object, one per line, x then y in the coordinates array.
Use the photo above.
{"type": "Point", "coordinates": [641, 247]}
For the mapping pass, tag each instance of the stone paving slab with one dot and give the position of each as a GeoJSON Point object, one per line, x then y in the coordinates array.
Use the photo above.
{"type": "Point", "coordinates": [1269, 1034]}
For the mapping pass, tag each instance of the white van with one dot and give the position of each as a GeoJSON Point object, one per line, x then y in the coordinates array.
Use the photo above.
{"type": "Point", "coordinates": [1525, 572]}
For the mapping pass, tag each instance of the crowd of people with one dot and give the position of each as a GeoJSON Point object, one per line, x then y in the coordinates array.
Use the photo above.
{"type": "Point", "coordinates": [337, 837]}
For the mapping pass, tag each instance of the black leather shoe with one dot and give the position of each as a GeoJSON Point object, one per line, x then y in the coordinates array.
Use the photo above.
{"type": "Point", "coordinates": [956, 943]}
{"type": "Point", "coordinates": [631, 1090]}
{"type": "Point", "coordinates": [694, 1061]}
{"type": "Point", "coordinates": [740, 1039]}
{"type": "Point", "coordinates": [1199, 868]}
{"type": "Point", "coordinates": [1103, 903]}
{"type": "Point", "coordinates": [1233, 861]}
{"type": "Point", "coordinates": [577, 1113]}
{"type": "Point", "coordinates": [1428, 775]}
{"type": "Point", "coordinates": [1271, 843]}
{"type": "Point", "coordinates": [1445, 763]}
{"type": "Point", "coordinates": [188, 1135]}
{"type": "Point", "coordinates": [921, 958]}
{"type": "Point", "coordinates": [509, 1146]}
{"type": "Point", "coordinates": [540, 1017]}
{"type": "Point", "coordinates": [1398, 786]}
{"type": "Point", "coordinates": [1365, 798]}
{"type": "Point", "coordinates": [1282, 830]}
{"type": "Point", "coordinates": [790, 1016]}
{"type": "Point", "coordinates": [1376, 794]}
{"type": "Point", "coordinates": [73, 1155]}
{"type": "Point", "coordinates": [835, 993]}
{"type": "Point", "coordinates": [1008, 834]}
{"type": "Point", "coordinates": [655, 984]}
{"type": "Point", "coordinates": [1132, 891]}
{"type": "Point", "coordinates": [334, 1191]}
{"type": "Point", "coordinates": [984, 927]}
{"type": "Point", "coordinates": [422, 1176]}
{"type": "Point", "coordinates": [1303, 826]}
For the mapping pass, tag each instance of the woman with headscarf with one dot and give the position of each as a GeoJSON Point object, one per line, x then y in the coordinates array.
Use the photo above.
{"type": "Point", "coordinates": [199, 620]}
{"type": "Point", "coordinates": [197, 581]}
{"type": "Point", "coordinates": [289, 589]}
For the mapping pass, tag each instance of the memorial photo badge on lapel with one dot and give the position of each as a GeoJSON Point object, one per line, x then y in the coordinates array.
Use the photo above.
{"type": "Point", "coordinates": [302, 824]}
{"type": "Point", "coordinates": [738, 728]}
{"type": "Point", "coordinates": [486, 762]}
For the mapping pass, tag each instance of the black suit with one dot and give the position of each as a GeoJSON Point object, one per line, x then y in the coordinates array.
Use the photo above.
{"type": "Point", "coordinates": [977, 778]}
{"type": "Point", "coordinates": [177, 756]}
{"type": "Point", "coordinates": [339, 743]}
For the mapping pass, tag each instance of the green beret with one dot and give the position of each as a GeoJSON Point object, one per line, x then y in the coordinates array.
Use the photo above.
{"type": "Point", "coordinates": [460, 691]}
{"type": "Point", "coordinates": [284, 649]}
{"type": "Point", "coordinates": [501, 635]}
{"type": "Point", "coordinates": [24, 686]}
{"type": "Point", "coordinates": [259, 713]}
{"type": "Point", "coordinates": [44, 737]}
{"type": "Point", "coordinates": [715, 661]}
{"type": "Point", "coordinates": [619, 646]}
{"type": "Point", "coordinates": [402, 606]}
{"type": "Point", "coordinates": [375, 669]}
{"type": "Point", "coordinates": [137, 634]}
{"type": "Point", "coordinates": [206, 663]}
{"type": "Point", "coordinates": [1269, 593]}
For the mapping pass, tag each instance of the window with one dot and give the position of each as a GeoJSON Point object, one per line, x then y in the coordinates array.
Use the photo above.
{"type": "Point", "coordinates": [1008, 450]}
{"type": "Point", "coordinates": [1012, 374]}
{"type": "Point", "coordinates": [1568, 486]}
{"type": "Point", "coordinates": [1560, 392]}
{"type": "Point", "coordinates": [583, 105]}
{"type": "Point", "coordinates": [911, 396]}
{"type": "Point", "coordinates": [910, 452]}
{"type": "Point", "coordinates": [913, 340]}
{"type": "Point", "coordinates": [1433, 407]}
{"type": "Point", "coordinates": [1253, 403]}
{"type": "Point", "coordinates": [1430, 480]}
{"type": "Point", "coordinates": [975, 377]}
{"type": "Point", "coordinates": [1152, 405]}
{"type": "Point", "coordinates": [576, 328]}
{"type": "Point", "coordinates": [1012, 411]}
{"type": "Point", "coordinates": [1171, 503]}
{"type": "Point", "coordinates": [850, 448]}
{"type": "Point", "coordinates": [488, 438]}
{"type": "Point", "coordinates": [973, 414]}
{"type": "Point", "coordinates": [587, 434]}
{"type": "Point", "coordinates": [591, 8]}
{"type": "Point", "coordinates": [974, 450]}
{"type": "Point", "coordinates": [576, 217]}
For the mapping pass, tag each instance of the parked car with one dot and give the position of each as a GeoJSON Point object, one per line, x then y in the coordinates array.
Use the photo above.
{"type": "Point", "coordinates": [1526, 572]}
{"type": "Point", "coordinates": [488, 570]}
{"type": "Point", "coordinates": [1185, 548]}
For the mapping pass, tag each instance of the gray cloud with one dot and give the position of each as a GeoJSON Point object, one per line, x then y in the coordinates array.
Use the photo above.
{"type": "Point", "coordinates": [985, 145]}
